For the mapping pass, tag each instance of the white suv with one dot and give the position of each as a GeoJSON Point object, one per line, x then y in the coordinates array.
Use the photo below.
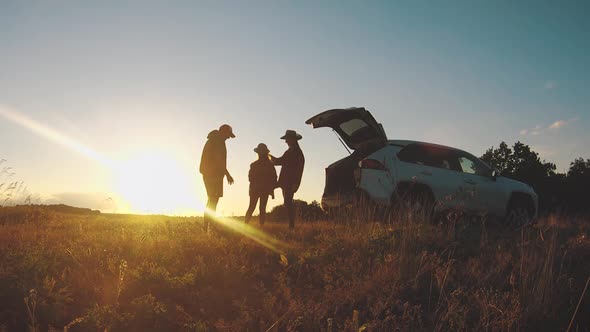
{"type": "Point", "coordinates": [387, 170]}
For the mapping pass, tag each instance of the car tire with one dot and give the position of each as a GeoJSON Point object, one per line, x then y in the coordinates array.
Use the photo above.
{"type": "Point", "coordinates": [518, 215]}
{"type": "Point", "coordinates": [417, 203]}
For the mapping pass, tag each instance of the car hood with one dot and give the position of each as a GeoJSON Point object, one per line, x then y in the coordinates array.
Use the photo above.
{"type": "Point", "coordinates": [516, 186]}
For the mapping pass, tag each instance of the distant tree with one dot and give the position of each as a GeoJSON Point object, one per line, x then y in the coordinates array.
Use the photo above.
{"type": "Point", "coordinates": [523, 164]}
{"type": "Point", "coordinates": [528, 166]}
{"type": "Point", "coordinates": [565, 192]}
{"type": "Point", "coordinates": [313, 212]}
{"type": "Point", "coordinates": [579, 168]}
{"type": "Point", "coordinates": [577, 186]}
{"type": "Point", "coordinates": [520, 162]}
{"type": "Point", "coordinates": [500, 158]}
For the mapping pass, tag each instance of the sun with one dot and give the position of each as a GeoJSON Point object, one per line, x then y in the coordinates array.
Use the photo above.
{"type": "Point", "coordinates": [156, 182]}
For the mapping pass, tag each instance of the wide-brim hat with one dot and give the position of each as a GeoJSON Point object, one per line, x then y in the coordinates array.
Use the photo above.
{"type": "Point", "coordinates": [225, 128]}
{"type": "Point", "coordinates": [261, 148]}
{"type": "Point", "coordinates": [292, 134]}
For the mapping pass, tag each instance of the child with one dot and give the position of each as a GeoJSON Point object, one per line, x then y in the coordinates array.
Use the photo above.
{"type": "Point", "coordinates": [263, 181]}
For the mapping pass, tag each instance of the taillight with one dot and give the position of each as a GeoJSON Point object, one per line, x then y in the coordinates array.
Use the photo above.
{"type": "Point", "coordinates": [372, 164]}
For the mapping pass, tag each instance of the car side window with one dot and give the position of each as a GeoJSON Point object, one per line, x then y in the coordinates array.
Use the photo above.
{"type": "Point", "coordinates": [442, 158]}
{"type": "Point", "coordinates": [430, 156]}
{"type": "Point", "coordinates": [413, 154]}
{"type": "Point", "coordinates": [471, 165]}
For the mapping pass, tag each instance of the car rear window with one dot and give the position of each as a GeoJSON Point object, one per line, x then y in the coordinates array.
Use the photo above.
{"type": "Point", "coordinates": [353, 126]}
{"type": "Point", "coordinates": [358, 130]}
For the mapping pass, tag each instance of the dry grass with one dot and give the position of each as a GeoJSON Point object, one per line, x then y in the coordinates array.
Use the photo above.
{"type": "Point", "coordinates": [155, 273]}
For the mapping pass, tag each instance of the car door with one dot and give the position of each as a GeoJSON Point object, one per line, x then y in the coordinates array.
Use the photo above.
{"type": "Point", "coordinates": [436, 167]}
{"type": "Point", "coordinates": [356, 126]}
{"type": "Point", "coordinates": [484, 196]}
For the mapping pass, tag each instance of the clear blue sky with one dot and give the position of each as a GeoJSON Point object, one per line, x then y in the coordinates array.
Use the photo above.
{"type": "Point", "coordinates": [139, 81]}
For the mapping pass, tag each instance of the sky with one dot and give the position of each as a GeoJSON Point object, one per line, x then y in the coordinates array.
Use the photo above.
{"type": "Point", "coordinates": [107, 104]}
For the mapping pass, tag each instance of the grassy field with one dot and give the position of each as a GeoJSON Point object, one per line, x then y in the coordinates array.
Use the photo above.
{"type": "Point", "coordinates": [95, 272]}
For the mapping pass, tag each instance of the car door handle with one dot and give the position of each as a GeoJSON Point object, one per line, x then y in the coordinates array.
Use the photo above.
{"type": "Point", "coordinates": [426, 173]}
{"type": "Point", "coordinates": [470, 181]}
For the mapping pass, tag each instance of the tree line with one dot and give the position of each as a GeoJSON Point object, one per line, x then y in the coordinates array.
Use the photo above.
{"type": "Point", "coordinates": [563, 192]}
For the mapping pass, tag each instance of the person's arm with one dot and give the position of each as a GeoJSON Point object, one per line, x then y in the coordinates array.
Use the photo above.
{"type": "Point", "coordinates": [220, 156]}
{"type": "Point", "coordinates": [230, 180]}
{"type": "Point", "coordinates": [273, 173]}
{"type": "Point", "coordinates": [280, 160]}
{"type": "Point", "coordinates": [274, 176]}
{"type": "Point", "coordinates": [251, 172]}
{"type": "Point", "coordinates": [276, 161]}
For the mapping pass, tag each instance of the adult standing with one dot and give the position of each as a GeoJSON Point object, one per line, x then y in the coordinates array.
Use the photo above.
{"type": "Point", "coordinates": [292, 163]}
{"type": "Point", "coordinates": [214, 168]}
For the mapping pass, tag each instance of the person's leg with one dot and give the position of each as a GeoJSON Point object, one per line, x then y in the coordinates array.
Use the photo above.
{"type": "Point", "coordinates": [288, 200]}
{"type": "Point", "coordinates": [214, 192]}
{"type": "Point", "coordinates": [210, 211]}
{"type": "Point", "coordinates": [251, 207]}
{"type": "Point", "coordinates": [262, 216]}
{"type": "Point", "coordinates": [206, 214]}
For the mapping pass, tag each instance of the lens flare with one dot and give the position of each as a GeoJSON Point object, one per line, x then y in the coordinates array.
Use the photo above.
{"type": "Point", "coordinates": [53, 135]}
{"type": "Point", "coordinates": [252, 232]}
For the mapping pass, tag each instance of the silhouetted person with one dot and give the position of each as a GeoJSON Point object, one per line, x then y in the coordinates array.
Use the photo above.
{"type": "Point", "coordinates": [263, 181]}
{"type": "Point", "coordinates": [214, 168]}
{"type": "Point", "coordinates": [292, 163]}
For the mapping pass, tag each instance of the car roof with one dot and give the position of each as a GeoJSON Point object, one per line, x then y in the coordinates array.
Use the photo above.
{"type": "Point", "coordinates": [404, 143]}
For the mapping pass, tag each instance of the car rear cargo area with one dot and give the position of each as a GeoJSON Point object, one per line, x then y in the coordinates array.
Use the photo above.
{"type": "Point", "coordinates": [340, 175]}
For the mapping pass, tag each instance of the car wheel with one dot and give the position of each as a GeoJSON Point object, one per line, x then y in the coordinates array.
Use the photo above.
{"type": "Point", "coordinates": [418, 203]}
{"type": "Point", "coordinates": [518, 216]}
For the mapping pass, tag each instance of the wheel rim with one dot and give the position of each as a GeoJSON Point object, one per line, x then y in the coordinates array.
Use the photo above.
{"type": "Point", "coordinates": [419, 205]}
{"type": "Point", "coordinates": [518, 217]}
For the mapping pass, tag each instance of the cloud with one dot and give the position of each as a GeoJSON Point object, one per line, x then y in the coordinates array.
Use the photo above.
{"type": "Point", "coordinates": [558, 124]}
{"type": "Point", "coordinates": [539, 129]}
{"type": "Point", "coordinates": [550, 85]}
{"type": "Point", "coordinates": [532, 131]}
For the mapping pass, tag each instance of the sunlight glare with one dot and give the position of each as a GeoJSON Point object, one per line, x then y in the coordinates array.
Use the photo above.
{"type": "Point", "coordinates": [156, 182]}
{"type": "Point", "coordinates": [52, 134]}
{"type": "Point", "coordinates": [252, 232]}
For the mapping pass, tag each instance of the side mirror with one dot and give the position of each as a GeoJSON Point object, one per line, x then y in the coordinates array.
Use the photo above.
{"type": "Point", "coordinates": [494, 174]}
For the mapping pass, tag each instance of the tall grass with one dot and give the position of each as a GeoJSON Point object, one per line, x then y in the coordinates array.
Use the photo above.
{"type": "Point", "coordinates": [11, 191]}
{"type": "Point", "coordinates": [88, 272]}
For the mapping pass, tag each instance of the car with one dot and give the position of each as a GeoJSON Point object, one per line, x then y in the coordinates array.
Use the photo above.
{"type": "Point", "coordinates": [389, 171]}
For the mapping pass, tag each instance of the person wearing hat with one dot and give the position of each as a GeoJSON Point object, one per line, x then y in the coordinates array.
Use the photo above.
{"type": "Point", "coordinates": [292, 163]}
{"type": "Point", "coordinates": [214, 168]}
{"type": "Point", "coordinates": [263, 181]}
